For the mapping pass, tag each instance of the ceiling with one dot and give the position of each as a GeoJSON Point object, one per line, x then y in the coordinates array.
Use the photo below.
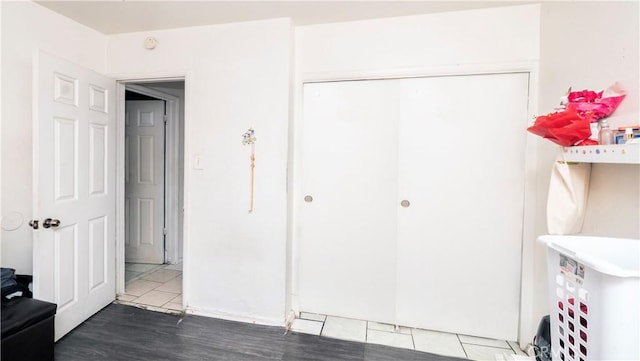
{"type": "Point", "coordinates": [116, 16]}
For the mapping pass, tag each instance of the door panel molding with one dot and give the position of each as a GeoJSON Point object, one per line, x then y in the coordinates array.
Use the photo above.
{"type": "Point", "coordinates": [97, 261]}
{"type": "Point", "coordinates": [98, 171]}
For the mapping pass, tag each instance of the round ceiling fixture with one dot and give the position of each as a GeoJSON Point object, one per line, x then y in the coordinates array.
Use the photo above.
{"type": "Point", "coordinates": [150, 43]}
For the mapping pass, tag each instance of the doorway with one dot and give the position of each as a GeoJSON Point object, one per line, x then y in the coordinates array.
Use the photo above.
{"type": "Point", "coordinates": [153, 189]}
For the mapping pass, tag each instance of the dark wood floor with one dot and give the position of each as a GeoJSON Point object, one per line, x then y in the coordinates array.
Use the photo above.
{"type": "Point", "coordinates": [128, 333]}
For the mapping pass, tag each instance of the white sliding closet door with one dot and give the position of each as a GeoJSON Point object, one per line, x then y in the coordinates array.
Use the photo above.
{"type": "Point", "coordinates": [347, 240]}
{"type": "Point", "coordinates": [461, 165]}
{"type": "Point", "coordinates": [453, 147]}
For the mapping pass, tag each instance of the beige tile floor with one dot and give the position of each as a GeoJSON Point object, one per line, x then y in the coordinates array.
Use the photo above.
{"type": "Point", "coordinates": [441, 343]}
{"type": "Point", "coordinates": [156, 287]}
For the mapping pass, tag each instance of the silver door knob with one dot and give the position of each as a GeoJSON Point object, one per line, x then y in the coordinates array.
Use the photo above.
{"type": "Point", "coordinates": [50, 223]}
{"type": "Point", "coordinates": [308, 199]}
{"type": "Point", "coordinates": [33, 223]}
{"type": "Point", "coordinates": [405, 203]}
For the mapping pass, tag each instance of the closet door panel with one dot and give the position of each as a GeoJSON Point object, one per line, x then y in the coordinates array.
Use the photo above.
{"type": "Point", "coordinates": [461, 166]}
{"type": "Point", "coordinates": [347, 231]}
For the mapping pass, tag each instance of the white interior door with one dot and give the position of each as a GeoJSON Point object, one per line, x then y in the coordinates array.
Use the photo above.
{"type": "Point", "coordinates": [461, 167]}
{"type": "Point", "coordinates": [74, 183]}
{"type": "Point", "coordinates": [347, 235]}
{"type": "Point", "coordinates": [144, 181]}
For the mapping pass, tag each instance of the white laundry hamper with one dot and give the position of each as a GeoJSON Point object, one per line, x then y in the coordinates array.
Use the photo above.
{"type": "Point", "coordinates": [594, 292]}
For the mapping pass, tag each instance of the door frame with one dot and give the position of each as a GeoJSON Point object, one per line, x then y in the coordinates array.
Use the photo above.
{"type": "Point", "coordinates": [526, 322]}
{"type": "Point", "coordinates": [124, 82]}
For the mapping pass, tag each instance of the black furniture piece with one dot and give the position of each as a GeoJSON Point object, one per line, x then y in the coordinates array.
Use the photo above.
{"type": "Point", "coordinates": [27, 330]}
{"type": "Point", "coordinates": [27, 324]}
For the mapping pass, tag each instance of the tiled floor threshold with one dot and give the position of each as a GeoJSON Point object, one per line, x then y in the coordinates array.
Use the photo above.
{"type": "Point", "coordinates": [447, 344]}
{"type": "Point", "coordinates": [153, 287]}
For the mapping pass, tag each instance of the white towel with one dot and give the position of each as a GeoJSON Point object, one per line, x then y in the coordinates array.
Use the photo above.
{"type": "Point", "coordinates": [568, 193]}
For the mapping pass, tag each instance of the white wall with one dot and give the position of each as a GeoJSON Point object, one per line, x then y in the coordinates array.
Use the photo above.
{"type": "Point", "coordinates": [26, 27]}
{"type": "Point", "coordinates": [238, 77]}
{"type": "Point", "coordinates": [479, 40]}
{"type": "Point", "coordinates": [415, 42]}
{"type": "Point", "coordinates": [590, 45]}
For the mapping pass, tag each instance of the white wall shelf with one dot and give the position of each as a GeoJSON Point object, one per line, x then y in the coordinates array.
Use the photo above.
{"type": "Point", "coordinates": [618, 153]}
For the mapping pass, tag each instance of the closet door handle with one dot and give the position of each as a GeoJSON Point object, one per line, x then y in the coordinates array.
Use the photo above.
{"type": "Point", "coordinates": [405, 203]}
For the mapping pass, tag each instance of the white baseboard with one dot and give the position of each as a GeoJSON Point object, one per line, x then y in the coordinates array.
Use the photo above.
{"type": "Point", "coordinates": [235, 317]}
